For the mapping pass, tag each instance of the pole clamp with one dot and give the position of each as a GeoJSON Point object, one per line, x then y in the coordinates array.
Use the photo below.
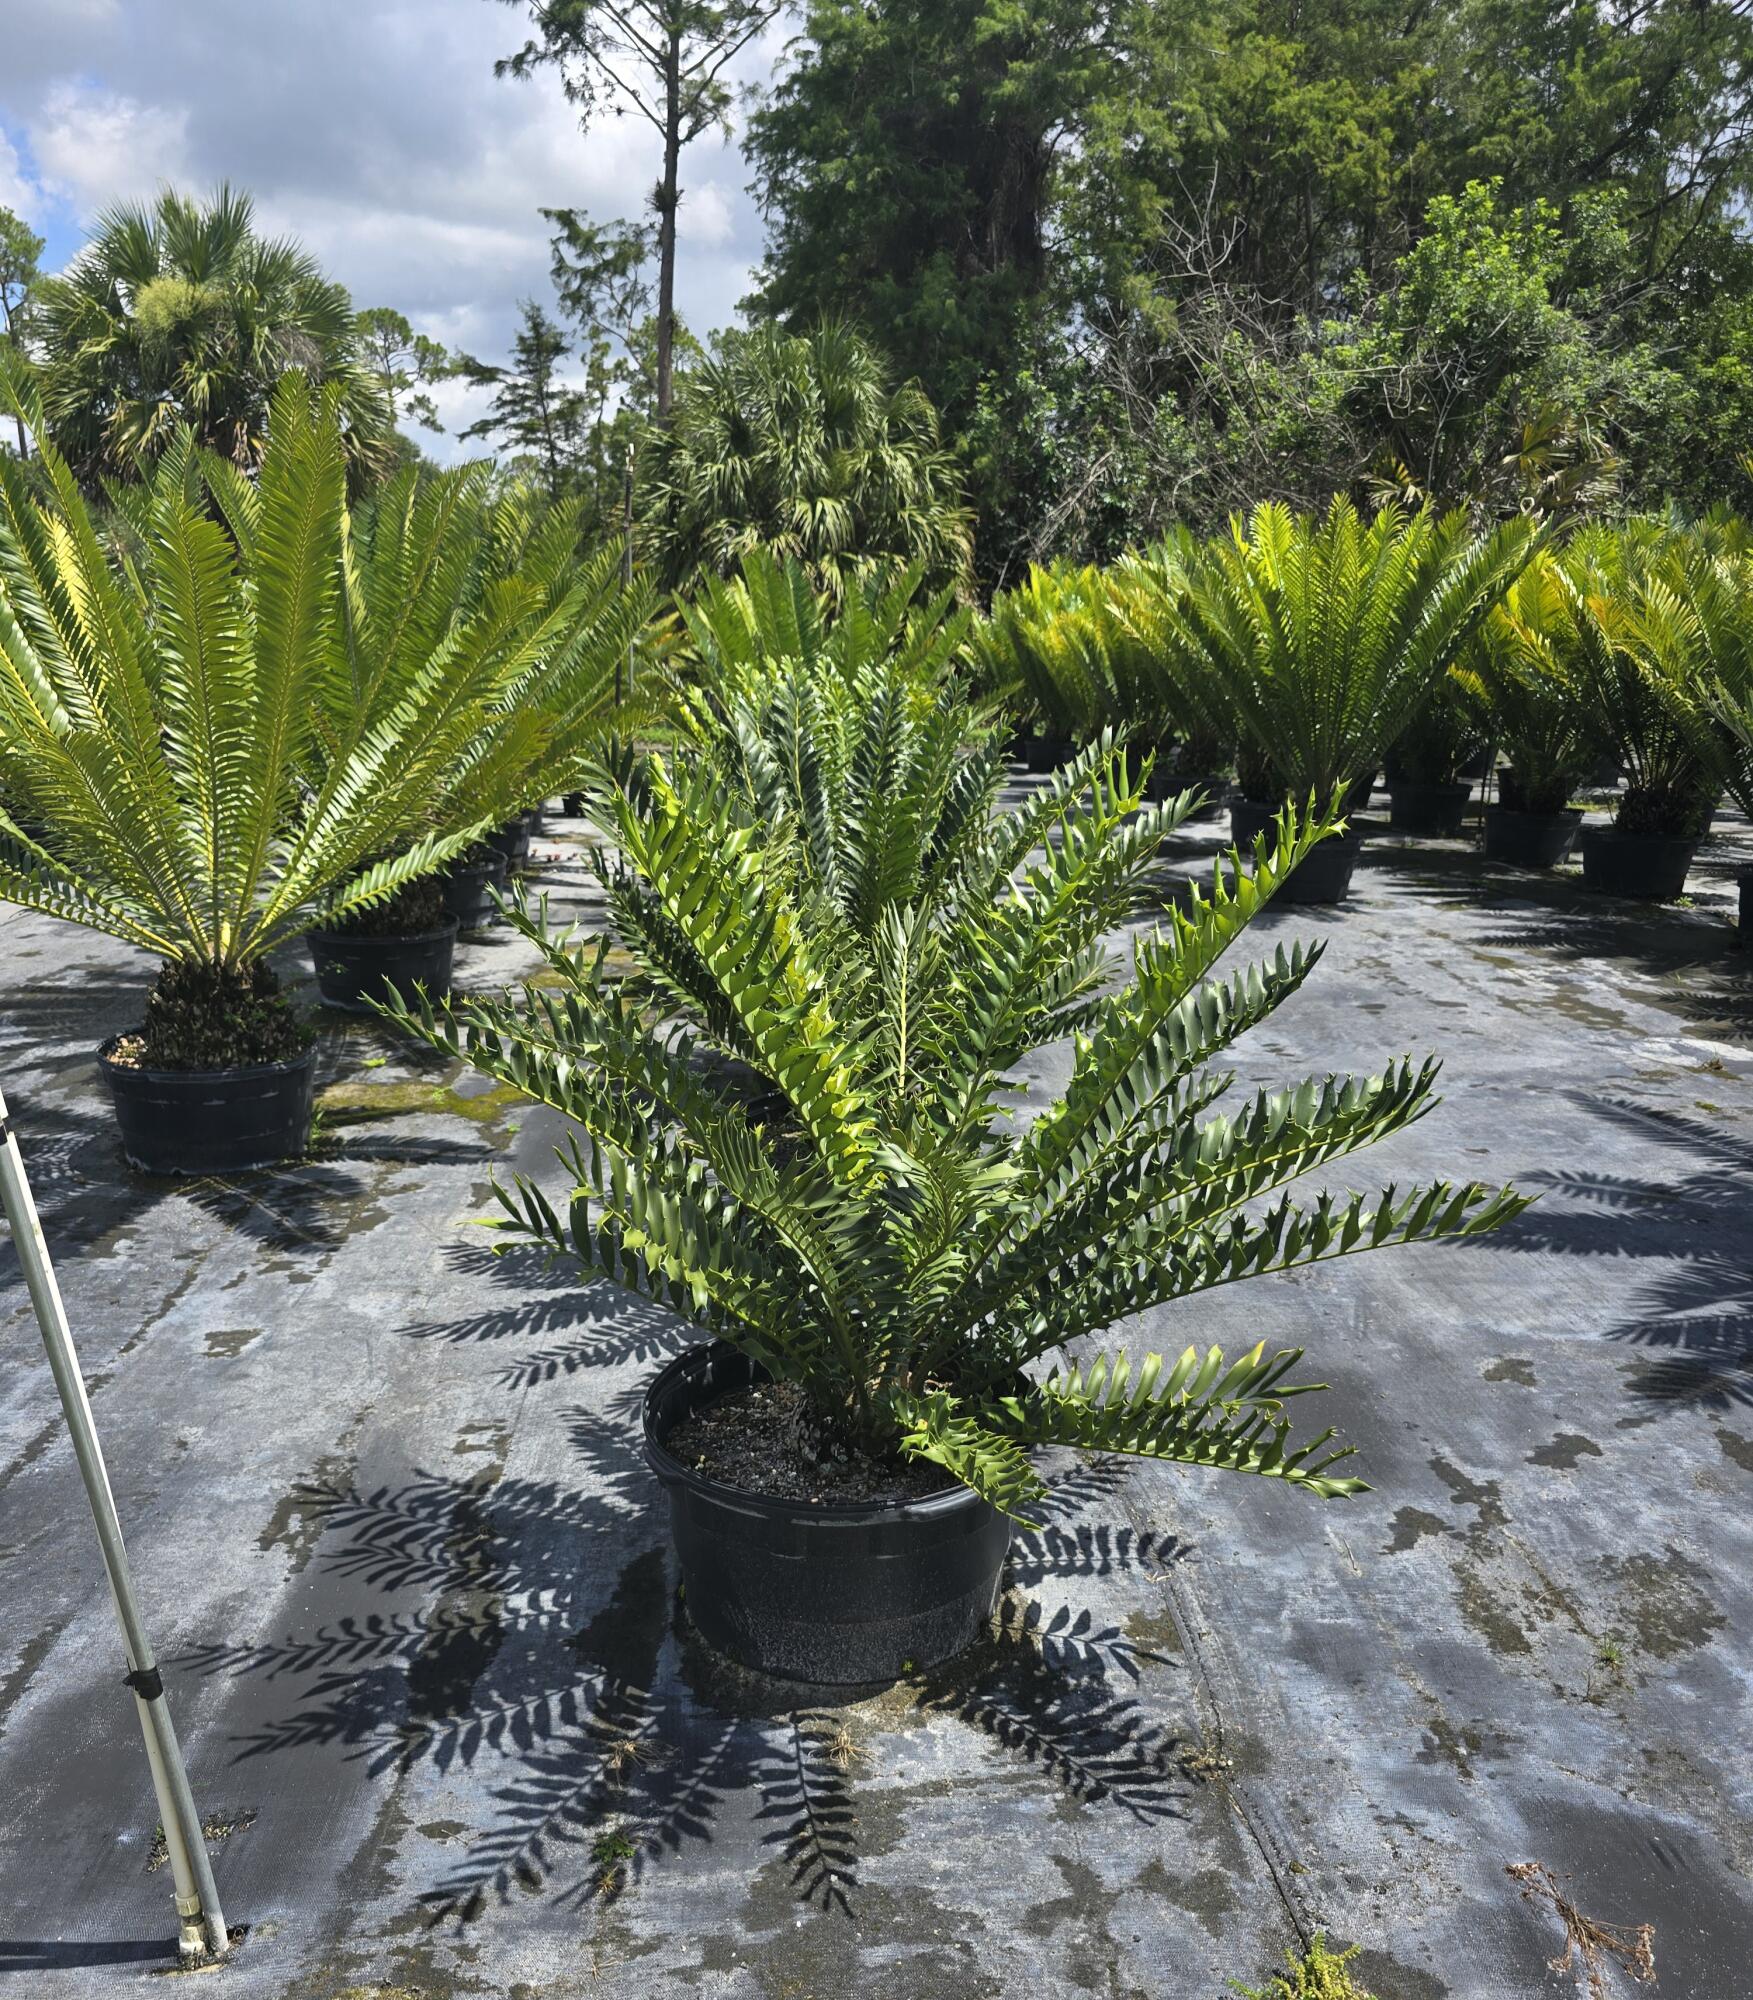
{"type": "Point", "coordinates": [5, 1126]}
{"type": "Point", "coordinates": [145, 1682]}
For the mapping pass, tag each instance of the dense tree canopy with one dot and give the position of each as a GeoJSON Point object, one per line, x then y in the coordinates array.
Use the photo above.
{"type": "Point", "coordinates": [1163, 259]}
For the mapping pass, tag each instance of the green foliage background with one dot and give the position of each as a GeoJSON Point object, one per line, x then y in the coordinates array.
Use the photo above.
{"type": "Point", "coordinates": [1159, 262]}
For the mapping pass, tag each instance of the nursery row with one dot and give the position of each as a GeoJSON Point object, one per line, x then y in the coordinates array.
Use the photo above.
{"type": "Point", "coordinates": [1304, 653]}
{"type": "Point", "coordinates": [237, 711]}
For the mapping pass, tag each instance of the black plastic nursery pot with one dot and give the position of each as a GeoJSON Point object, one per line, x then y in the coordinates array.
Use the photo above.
{"type": "Point", "coordinates": [1437, 811]}
{"type": "Point", "coordinates": [838, 1596]}
{"type": "Point", "coordinates": [468, 890]}
{"type": "Point", "coordinates": [1322, 876]}
{"type": "Point", "coordinates": [1043, 753]}
{"type": "Point", "coordinates": [353, 969]}
{"type": "Point", "coordinates": [211, 1121]}
{"type": "Point", "coordinates": [511, 840]}
{"type": "Point", "coordinates": [1529, 840]}
{"type": "Point", "coordinates": [1745, 908]}
{"type": "Point", "coordinates": [1651, 866]}
{"type": "Point", "coordinates": [1212, 789]}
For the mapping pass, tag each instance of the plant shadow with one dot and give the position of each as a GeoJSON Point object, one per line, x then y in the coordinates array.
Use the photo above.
{"type": "Point", "coordinates": [488, 1636]}
{"type": "Point", "coordinates": [1695, 1313]}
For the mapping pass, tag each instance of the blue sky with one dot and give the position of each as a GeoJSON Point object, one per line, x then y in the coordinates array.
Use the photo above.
{"type": "Point", "coordinates": [374, 130]}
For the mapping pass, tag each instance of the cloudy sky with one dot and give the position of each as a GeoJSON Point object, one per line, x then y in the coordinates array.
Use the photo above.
{"type": "Point", "coordinates": [375, 130]}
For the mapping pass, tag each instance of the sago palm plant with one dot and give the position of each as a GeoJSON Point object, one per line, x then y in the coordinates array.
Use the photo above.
{"type": "Point", "coordinates": [202, 741]}
{"type": "Point", "coordinates": [1046, 647]}
{"type": "Point", "coordinates": [1314, 638]}
{"type": "Point", "coordinates": [891, 1239]}
{"type": "Point", "coordinates": [1523, 670]}
{"type": "Point", "coordinates": [1081, 650]}
{"type": "Point", "coordinates": [515, 648]}
{"type": "Point", "coordinates": [1654, 614]}
{"type": "Point", "coordinates": [738, 633]}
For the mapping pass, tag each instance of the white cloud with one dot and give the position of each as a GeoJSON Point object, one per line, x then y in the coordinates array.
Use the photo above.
{"type": "Point", "coordinates": [94, 146]}
{"type": "Point", "coordinates": [705, 218]}
{"type": "Point", "coordinates": [373, 130]}
{"type": "Point", "coordinates": [22, 196]}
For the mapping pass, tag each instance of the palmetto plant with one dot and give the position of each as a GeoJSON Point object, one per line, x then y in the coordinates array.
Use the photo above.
{"type": "Point", "coordinates": [801, 442]}
{"type": "Point", "coordinates": [890, 1239]}
{"type": "Point", "coordinates": [242, 719]}
{"type": "Point", "coordinates": [1523, 670]}
{"type": "Point", "coordinates": [179, 314]}
{"type": "Point", "coordinates": [1312, 639]}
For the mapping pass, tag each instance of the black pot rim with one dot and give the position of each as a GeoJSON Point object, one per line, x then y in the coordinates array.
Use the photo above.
{"type": "Point", "coordinates": [448, 928]}
{"type": "Point", "coordinates": [672, 1471]}
{"type": "Point", "coordinates": [1451, 786]}
{"type": "Point", "coordinates": [1614, 833]}
{"type": "Point", "coordinates": [1572, 813]}
{"type": "Point", "coordinates": [106, 1056]}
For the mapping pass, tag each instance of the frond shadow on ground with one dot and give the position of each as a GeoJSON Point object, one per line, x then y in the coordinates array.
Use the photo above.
{"type": "Point", "coordinates": [1692, 1222]}
{"type": "Point", "coordinates": [603, 1327]}
{"type": "Point", "coordinates": [483, 1638]}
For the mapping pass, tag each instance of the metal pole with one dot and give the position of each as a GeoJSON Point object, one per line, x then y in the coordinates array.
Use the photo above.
{"type": "Point", "coordinates": [201, 1929]}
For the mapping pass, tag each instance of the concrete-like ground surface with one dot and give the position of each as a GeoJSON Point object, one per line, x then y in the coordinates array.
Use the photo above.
{"type": "Point", "coordinates": [412, 1580]}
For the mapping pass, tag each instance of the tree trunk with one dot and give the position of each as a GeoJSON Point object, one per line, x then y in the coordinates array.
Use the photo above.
{"type": "Point", "coordinates": [23, 442]}
{"type": "Point", "coordinates": [668, 197]}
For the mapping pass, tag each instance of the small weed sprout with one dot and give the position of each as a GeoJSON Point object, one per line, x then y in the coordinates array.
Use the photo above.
{"type": "Point", "coordinates": [1315, 1974]}
{"type": "Point", "coordinates": [611, 1853]}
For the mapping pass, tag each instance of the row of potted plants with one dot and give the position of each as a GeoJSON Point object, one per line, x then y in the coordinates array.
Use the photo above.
{"type": "Point", "coordinates": [1318, 648]}
{"type": "Point", "coordinates": [247, 712]}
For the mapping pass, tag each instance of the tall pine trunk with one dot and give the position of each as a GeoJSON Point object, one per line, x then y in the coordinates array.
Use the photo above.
{"type": "Point", "coordinates": [668, 198]}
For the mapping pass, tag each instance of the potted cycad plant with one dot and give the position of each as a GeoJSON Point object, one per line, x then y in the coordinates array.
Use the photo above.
{"type": "Point", "coordinates": [1043, 649]}
{"type": "Point", "coordinates": [1733, 709]}
{"type": "Point", "coordinates": [1728, 702]}
{"type": "Point", "coordinates": [841, 737]}
{"type": "Point", "coordinates": [484, 617]}
{"type": "Point", "coordinates": [1654, 612]}
{"type": "Point", "coordinates": [1190, 755]}
{"type": "Point", "coordinates": [157, 721]}
{"type": "Point", "coordinates": [1523, 671]}
{"type": "Point", "coordinates": [1425, 771]}
{"type": "Point", "coordinates": [884, 1260]}
{"type": "Point", "coordinates": [1312, 640]}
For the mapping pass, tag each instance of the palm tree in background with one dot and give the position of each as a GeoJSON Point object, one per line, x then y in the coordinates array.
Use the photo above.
{"type": "Point", "coordinates": [803, 444]}
{"type": "Point", "coordinates": [179, 313]}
